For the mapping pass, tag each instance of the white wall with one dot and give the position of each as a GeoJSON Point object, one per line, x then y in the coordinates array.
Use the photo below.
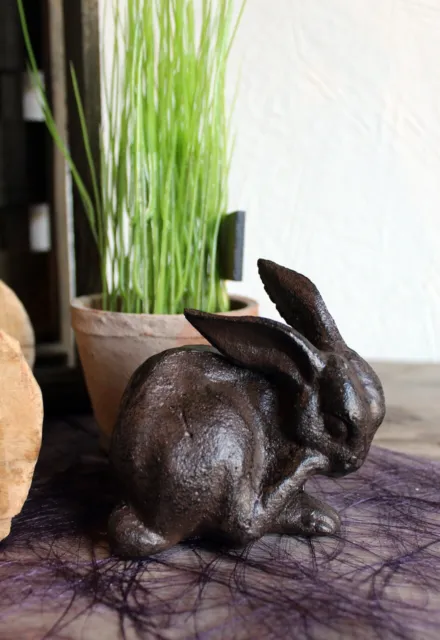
{"type": "Point", "coordinates": [337, 161]}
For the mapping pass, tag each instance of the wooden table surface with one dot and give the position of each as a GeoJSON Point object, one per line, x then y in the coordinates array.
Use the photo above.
{"type": "Point", "coordinates": [412, 422]}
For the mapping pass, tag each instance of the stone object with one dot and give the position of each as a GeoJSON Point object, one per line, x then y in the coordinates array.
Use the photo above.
{"type": "Point", "coordinates": [21, 421]}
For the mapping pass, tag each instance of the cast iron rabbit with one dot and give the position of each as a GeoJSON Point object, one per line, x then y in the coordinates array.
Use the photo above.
{"type": "Point", "coordinates": [219, 442]}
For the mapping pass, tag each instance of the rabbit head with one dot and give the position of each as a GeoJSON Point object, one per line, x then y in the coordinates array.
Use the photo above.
{"type": "Point", "coordinates": [336, 399]}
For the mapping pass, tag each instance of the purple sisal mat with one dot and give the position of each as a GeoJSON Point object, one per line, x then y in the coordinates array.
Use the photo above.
{"type": "Point", "coordinates": [379, 579]}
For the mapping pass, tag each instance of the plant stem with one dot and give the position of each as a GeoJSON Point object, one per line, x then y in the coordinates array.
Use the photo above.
{"type": "Point", "coordinates": [155, 207]}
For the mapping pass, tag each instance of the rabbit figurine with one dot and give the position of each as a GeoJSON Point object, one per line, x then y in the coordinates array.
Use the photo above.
{"type": "Point", "coordinates": [219, 441]}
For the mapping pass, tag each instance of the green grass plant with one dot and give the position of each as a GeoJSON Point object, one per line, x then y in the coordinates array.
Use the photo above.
{"type": "Point", "coordinates": [160, 191]}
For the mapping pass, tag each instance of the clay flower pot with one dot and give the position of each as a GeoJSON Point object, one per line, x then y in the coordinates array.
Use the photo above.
{"type": "Point", "coordinates": [112, 345]}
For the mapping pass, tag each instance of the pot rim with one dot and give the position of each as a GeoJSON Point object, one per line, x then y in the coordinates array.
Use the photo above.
{"type": "Point", "coordinates": [87, 321]}
{"type": "Point", "coordinates": [83, 303]}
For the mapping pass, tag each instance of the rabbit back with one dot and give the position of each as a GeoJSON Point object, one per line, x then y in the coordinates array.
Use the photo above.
{"type": "Point", "coordinates": [189, 460]}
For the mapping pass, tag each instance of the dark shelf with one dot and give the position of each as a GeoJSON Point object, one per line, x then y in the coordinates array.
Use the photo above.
{"type": "Point", "coordinates": [64, 391]}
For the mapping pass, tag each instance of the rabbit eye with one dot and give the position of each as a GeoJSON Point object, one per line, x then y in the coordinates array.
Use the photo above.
{"type": "Point", "coordinates": [337, 428]}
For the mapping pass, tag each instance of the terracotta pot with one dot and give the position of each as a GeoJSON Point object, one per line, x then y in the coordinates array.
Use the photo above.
{"type": "Point", "coordinates": [113, 345]}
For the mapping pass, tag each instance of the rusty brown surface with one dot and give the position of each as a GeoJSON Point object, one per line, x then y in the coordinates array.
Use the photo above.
{"type": "Point", "coordinates": [220, 441]}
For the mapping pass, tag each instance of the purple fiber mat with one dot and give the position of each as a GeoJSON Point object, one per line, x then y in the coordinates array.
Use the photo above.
{"type": "Point", "coordinates": [379, 579]}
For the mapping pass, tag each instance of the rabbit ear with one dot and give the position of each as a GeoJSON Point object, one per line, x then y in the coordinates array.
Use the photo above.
{"type": "Point", "coordinates": [259, 344]}
{"type": "Point", "coordinates": [299, 302]}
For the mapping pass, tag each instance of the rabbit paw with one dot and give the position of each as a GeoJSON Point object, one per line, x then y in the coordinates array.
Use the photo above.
{"type": "Point", "coordinates": [309, 517]}
{"type": "Point", "coordinates": [130, 538]}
